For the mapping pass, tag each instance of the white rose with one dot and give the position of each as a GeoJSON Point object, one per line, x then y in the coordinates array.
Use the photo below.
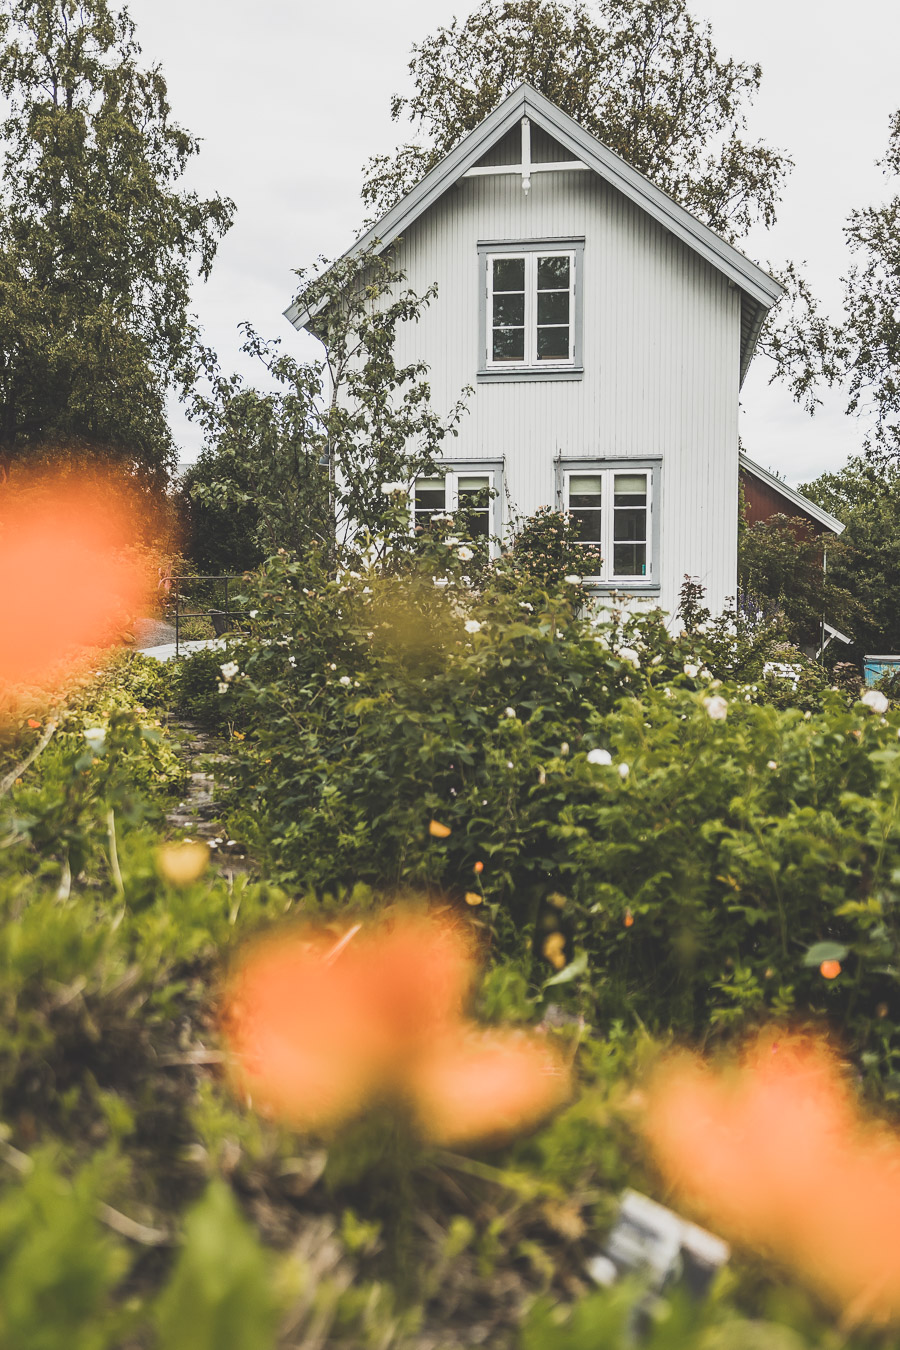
{"type": "Point", "coordinates": [95, 737]}
{"type": "Point", "coordinates": [345, 680]}
{"type": "Point", "coordinates": [510, 712]}
{"type": "Point", "coordinates": [472, 626]}
{"type": "Point", "coordinates": [464, 554]}
{"type": "Point", "coordinates": [629, 654]}
{"type": "Point", "coordinates": [573, 579]}
{"type": "Point", "coordinates": [690, 670]}
{"type": "Point", "coordinates": [623, 771]}
{"type": "Point", "coordinates": [717, 707]}
{"type": "Point", "coordinates": [875, 699]}
{"type": "Point", "coordinates": [390, 488]}
{"type": "Point", "coordinates": [599, 757]}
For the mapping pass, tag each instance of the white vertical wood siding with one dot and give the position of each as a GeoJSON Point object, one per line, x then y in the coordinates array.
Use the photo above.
{"type": "Point", "coordinates": [661, 360]}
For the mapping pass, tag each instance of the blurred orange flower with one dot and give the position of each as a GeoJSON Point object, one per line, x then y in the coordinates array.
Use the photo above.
{"type": "Point", "coordinates": [321, 1028]}
{"type": "Point", "coordinates": [33, 723]}
{"type": "Point", "coordinates": [776, 1154]}
{"type": "Point", "coordinates": [438, 831]}
{"type": "Point", "coordinates": [66, 577]}
{"type": "Point", "coordinates": [830, 969]}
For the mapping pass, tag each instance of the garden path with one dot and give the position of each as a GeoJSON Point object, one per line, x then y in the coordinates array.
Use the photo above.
{"type": "Point", "coordinates": [200, 815]}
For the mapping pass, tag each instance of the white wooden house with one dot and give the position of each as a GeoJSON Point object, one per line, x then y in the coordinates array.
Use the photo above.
{"type": "Point", "coordinates": [606, 333]}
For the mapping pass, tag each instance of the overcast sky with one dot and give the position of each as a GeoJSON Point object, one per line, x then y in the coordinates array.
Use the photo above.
{"type": "Point", "coordinates": [290, 98]}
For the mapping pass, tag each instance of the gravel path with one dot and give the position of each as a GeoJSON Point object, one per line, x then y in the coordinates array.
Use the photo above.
{"type": "Point", "coordinates": [152, 633]}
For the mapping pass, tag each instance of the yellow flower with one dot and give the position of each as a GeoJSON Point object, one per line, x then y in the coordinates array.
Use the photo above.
{"type": "Point", "coordinates": [437, 830]}
{"type": "Point", "coordinates": [473, 898]}
{"type": "Point", "coordinates": [182, 863]}
{"type": "Point", "coordinates": [553, 950]}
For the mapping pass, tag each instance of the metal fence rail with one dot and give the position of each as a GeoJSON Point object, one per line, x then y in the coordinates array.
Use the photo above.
{"type": "Point", "coordinates": [221, 616]}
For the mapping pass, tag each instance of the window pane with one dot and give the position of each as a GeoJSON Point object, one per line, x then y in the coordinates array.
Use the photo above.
{"type": "Point", "coordinates": [509, 309]}
{"type": "Point", "coordinates": [631, 488]}
{"type": "Point", "coordinates": [630, 523]}
{"type": "Point", "coordinates": [508, 344]}
{"type": "Point", "coordinates": [474, 493]}
{"type": "Point", "coordinates": [553, 274]}
{"type": "Point", "coordinates": [553, 344]}
{"type": "Point", "coordinates": [630, 560]}
{"type": "Point", "coordinates": [588, 523]}
{"type": "Point", "coordinates": [430, 494]}
{"type": "Point", "coordinates": [585, 490]}
{"type": "Point", "coordinates": [509, 274]}
{"type": "Point", "coordinates": [553, 307]}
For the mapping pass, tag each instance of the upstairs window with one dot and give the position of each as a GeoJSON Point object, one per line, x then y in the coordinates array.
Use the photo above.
{"type": "Point", "coordinates": [531, 305]}
{"type": "Point", "coordinates": [612, 509]}
{"type": "Point", "coordinates": [531, 311]}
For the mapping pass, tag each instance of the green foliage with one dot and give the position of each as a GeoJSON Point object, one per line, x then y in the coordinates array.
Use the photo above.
{"type": "Point", "coordinates": [780, 566]}
{"type": "Point", "coordinates": [546, 548]}
{"type": "Point", "coordinates": [97, 244]}
{"type": "Point", "coordinates": [866, 497]}
{"type": "Point", "coordinates": [58, 1267]}
{"type": "Point", "coordinates": [220, 1296]}
{"type": "Point", "coordinates": [872, 305]}
{"type": "Point", "coordinates": [141, 1203]}
{"type": "Point", "coordinates": [732, 835]}
{"type": "Point", "coordinates": [194, 685]}
{"type": "Point", "coordinates": [644, 76]}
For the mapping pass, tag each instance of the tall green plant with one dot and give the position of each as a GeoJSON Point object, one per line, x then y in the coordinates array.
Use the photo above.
{"type": "Point", "coordinates": [98, 241]}
{"type": "Point", "coordinates": [323, 463]}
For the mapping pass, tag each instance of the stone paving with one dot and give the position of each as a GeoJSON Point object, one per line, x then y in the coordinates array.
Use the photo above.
{"type": "Point", "coordinates": [199, 814]}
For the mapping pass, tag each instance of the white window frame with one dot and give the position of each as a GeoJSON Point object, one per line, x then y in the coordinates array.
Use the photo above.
{"type": "Point", "coordinates": [451, 479]}
{"type": "Point", "coordinates": [607, 473]}
{"type": "Point", "coordinates": [530, 360]}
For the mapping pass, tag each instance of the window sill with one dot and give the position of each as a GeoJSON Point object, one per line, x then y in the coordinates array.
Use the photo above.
{"type": "Point", "coordinates": [623, 587]}
{"type": "Point", "coordinates": [527, 374]}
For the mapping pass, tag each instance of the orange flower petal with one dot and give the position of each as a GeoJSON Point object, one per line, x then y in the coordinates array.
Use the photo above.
{"type": "Point", "coordinates": [830, 969]}
{"type": "Point", "coordinates": [777, 1155]}
{"type": "Point", "coordinates": [319, 1025]}
{"type": "Point", "coordinates": [437, 830]}
{"type": "Point", "coordinates": [486, 1085]}
{"type": "Point", "coordinates": [473, 898]}
{"type": "Point", "coordinates": [33, 723]}
{"type": "Point", "coordinates": [478, 867]}
{"type": "Point", "coordinates": [70, 539]}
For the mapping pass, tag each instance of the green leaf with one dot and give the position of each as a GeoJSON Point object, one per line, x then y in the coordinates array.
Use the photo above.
{"type": "Point", "coordinates": [825, 951]}
{"type": "Point", "coordinates": [577, 966]}
{"type": "Point", "coordinates": [220, 1295]}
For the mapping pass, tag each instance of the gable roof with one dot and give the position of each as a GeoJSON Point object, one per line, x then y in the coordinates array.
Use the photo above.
{"type": "Point", "coordinates": [791, 496]}
{"type": "Point", "coordinates": [759, 291]}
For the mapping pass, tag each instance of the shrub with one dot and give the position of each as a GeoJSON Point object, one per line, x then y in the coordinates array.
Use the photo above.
{"type": "Point", "coordinates": [684, 880]}
{"type": "Point", "coordinates": [194, 683]}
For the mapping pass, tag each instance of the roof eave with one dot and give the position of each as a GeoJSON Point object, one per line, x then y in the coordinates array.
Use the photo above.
{"type": "Point", "coordinates": [809, 508]}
